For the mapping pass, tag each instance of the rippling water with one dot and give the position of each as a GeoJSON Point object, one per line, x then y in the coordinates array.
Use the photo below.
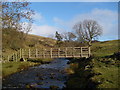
{"type": "Point", "coordinates": [42, 76]}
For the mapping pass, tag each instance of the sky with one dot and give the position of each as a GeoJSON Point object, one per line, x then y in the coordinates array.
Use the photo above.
{"type": "Point", "coordinates": [62, 16]}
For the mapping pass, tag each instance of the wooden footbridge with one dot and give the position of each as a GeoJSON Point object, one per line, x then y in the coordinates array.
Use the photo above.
{"type": "Point", "coordinates": [65, 52]}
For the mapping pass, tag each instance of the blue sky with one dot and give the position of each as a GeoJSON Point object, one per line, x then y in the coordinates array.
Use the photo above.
{"type": "Point", "coordinates": [61, 17]}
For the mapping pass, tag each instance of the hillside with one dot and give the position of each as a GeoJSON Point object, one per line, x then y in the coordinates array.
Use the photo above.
{"type": "Point", "coordinates": [105, 48]}
{"type": "Point", "coordinates": [31, 41]}
{"type": "Point", "coordinates": [99, 71]}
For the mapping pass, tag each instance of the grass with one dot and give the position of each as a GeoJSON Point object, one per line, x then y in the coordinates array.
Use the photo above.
{"type": "Point", "coordinates": [100, 71]}
{"type": "Point", "coordinates": [31, 41]}
{"type": "Point", "coordinates": [101, 49]}
{"type": "Point", "coordinates": [108, 77]}
{"type": "Point", "coordinates": [9, 68]}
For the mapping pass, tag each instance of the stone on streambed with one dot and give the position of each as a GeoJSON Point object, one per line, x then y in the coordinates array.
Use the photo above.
{"type": "Point", "coordinates": [32, 85]}
{"type": "Point", "coordinates": [54, 87]}
{"type": "Point", "coordinates": [40, 83]}
{"type": "Point", "coordinates": [52, 77]}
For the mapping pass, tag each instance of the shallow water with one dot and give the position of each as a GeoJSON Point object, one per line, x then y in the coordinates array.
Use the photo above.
{"type": "Point", "coordinates": [42, 76]}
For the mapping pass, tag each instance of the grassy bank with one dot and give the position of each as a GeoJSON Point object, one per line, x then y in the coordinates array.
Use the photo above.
{"type": "Point", "coordinates": [93, 73]}
{"type": "Point", "coordinates": [106, 70]}
{"type": "Point", "coordinates": [99, 71]}
{"type": "Point", "coordinates": [9, 68]}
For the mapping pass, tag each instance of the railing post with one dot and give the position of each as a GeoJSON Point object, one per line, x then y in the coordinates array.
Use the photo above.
{"type": "Point", "coordinates": [16, 56]}
{"type": "Point", "coordinates": [20, 53]}
{"type": "Point", "coordinates": [89, 53]}
{"type": "Point", "coordinates": [36, 53]}
{"type": "Point", "coordinates": [73, 52]}
{"type": "Point", "coordinates": [13, 57]}
{"type": "Point", "coordinates": [43, 53]}
{"type": "Point", "coordinates": [29, 53]}
{"type": "Point", "coordinates": [81, 51]}
{"type": "Point", "coordinates": [58, 52]}
{"type": "Point", "coordinates": [51, 52]}
{"type": "Point", "coordinates": [66, 52]}
{"type": "Point", "coordinates": [8, 58]}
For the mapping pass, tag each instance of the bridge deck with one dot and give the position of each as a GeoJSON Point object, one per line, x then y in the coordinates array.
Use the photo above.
{"type": "Point", "coordinates": [66, 52]}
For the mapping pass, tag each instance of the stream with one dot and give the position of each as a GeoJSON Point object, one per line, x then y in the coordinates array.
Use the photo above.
{"type": "Point", "coordinates": [42, 76]}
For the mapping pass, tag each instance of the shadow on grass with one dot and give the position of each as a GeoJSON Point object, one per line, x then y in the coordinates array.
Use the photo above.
{"type": "Point", "coordinates": [82, 74]}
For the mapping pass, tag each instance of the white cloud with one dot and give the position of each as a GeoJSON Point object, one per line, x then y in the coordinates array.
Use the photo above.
{"type": "Point", "coordinates": [106, 18]}
{"type": "Point", "coordinates": [38, 17]}
{"type": "Point", "coordinates": [43, 30]}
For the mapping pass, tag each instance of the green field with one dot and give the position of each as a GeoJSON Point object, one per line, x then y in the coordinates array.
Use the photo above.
{"type": "Point", "coordinates": [99, 71]}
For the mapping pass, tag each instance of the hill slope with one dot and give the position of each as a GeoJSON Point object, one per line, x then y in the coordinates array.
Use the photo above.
{"type": "Point", "coordinates": [31, 41]}
{"type": "Point", "coordinates": [106, 48]}
{"type": "Point", "coordinates": [99, 71]}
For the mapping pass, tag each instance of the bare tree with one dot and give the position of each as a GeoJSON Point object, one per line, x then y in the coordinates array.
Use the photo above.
{"type": "Point", "coordinates": [14, 14]}
{"type": "Point", "coordinates": [88, 30]}
{"type": "Point", "coordinates": [68, 36]}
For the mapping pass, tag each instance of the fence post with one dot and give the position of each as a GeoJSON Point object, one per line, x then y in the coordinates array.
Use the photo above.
{"type": "Point", "coordinates": [81, 51]}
